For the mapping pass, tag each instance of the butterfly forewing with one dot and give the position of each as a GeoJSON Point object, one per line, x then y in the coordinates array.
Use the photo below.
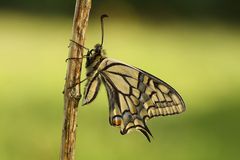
{"type": "Point", "coordinates": [134, 96]}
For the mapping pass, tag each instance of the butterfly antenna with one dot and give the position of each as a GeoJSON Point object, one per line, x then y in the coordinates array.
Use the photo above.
{"type": "Point", "coordinates": [102, 17]}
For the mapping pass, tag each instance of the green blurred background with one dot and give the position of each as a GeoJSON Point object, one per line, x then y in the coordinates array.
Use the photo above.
{"type": "Point", "coordinates": [193, 45]}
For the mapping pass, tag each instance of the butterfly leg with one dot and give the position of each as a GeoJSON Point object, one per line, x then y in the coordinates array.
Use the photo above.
{"type": "Point", "coordinates": [74, 58]}
{"type": "Point", "coordinates": [79, 45]}
{"type": "Point", "coordinates": [76, 84]}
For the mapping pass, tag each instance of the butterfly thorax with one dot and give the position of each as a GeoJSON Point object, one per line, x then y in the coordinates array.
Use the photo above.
{"type": "Point", "coordinates": [94, 58]}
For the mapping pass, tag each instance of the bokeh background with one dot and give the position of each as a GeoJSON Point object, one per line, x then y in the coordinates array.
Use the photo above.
{"type": "Point", "coordinates": [194, 45]}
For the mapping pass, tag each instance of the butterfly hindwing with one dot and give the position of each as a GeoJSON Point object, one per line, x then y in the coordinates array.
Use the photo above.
{"type": "Point", "coordinates": [123, 112]}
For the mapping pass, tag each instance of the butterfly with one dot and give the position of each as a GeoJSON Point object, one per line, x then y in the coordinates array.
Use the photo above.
{"type": "Point", "coordinates": [134, 96]}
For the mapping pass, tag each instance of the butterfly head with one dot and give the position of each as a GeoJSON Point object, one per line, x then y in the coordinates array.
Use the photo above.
{"type": "Point", "coordinates": [98, 48]}
{"type": "Point", "coordinates": [95, 55]}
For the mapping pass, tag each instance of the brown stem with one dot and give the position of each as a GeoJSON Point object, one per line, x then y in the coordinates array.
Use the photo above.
{"type": "Point", "coordinates": [72, 93]}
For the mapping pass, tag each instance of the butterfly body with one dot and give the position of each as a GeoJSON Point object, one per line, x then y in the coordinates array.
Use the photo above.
{"type": "Point", "coordinates": [134, 95]}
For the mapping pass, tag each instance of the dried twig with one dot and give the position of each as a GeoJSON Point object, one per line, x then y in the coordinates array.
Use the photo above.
{"type": "Point", "coordinates": [72, 93]}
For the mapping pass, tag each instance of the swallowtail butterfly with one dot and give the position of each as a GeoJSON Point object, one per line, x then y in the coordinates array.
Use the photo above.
{"type": "Point", "coordinates": [134, 96]}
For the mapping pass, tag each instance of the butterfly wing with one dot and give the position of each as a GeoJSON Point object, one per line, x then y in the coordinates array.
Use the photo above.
{"type": "Point", "coordinates": [91, 89]}
{"type": "Point", "coordinates": [135, 96]}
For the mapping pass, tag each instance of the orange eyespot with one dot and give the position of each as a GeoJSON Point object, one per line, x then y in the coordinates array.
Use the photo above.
{"type": "Point", "coordinates": [117, 121]}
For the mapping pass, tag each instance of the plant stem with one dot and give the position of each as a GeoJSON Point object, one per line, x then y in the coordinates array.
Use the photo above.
{"type": "Point", "coordinates": [72, 93]}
